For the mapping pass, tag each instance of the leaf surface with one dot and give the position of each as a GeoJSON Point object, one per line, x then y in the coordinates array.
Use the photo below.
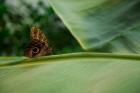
{"type": "Point", "coordinates": [105, 25]}
{"type": "Point", "coordinates": [72, 73]}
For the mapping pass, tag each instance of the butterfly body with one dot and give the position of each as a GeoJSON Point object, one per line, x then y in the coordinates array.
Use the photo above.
{"type": "Point", "coordinates": [38, 45]}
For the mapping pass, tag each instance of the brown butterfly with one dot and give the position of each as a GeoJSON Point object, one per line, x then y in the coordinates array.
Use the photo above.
{"type": "Point", "coordinates": [38, 45]}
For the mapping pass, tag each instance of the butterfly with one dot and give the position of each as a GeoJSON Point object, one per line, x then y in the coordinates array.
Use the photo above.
{"type": "Point", "coordinates": [38, 45]}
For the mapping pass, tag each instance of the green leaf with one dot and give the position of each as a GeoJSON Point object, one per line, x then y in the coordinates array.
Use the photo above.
{"type": "Point", "coordinates": [71, 73]}
{"type": "Point", "coordinates": [107, 25]}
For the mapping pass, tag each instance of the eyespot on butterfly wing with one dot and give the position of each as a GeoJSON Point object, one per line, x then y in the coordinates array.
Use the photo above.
{"type": "Point", "coordinates": [38, 45]}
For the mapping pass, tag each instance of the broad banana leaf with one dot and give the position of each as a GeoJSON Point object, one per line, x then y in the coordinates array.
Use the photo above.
{"type": "Point", "coordinates": [71, 73]}
{"type": "Point", "coordinates": [104, 25]}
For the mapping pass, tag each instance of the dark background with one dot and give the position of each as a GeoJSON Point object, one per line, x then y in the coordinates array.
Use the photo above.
{"type": "Point", "coordinates": [15, 24]}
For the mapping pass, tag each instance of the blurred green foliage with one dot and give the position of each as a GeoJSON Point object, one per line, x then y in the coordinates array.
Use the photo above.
{"type": "Point", "coordinates": [15, 24]}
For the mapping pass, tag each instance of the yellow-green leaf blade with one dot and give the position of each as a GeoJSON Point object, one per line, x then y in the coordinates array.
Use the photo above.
{"type": "Point", "coordinates": [73, 73]}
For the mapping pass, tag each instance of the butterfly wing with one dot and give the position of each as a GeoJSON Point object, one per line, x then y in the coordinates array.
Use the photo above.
{"type": "Point", "coordinates": [38, 45]}
{"type": "Point", "coordinates": [37, 34]}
